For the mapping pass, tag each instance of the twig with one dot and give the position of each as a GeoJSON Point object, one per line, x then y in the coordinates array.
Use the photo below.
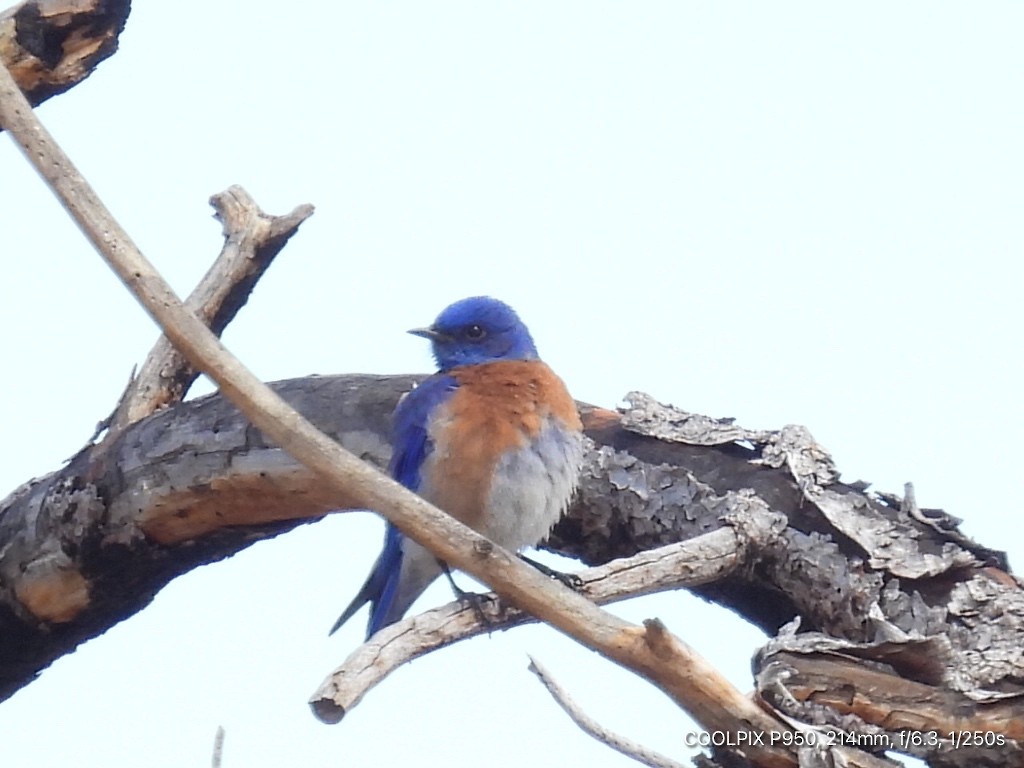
{"type": "Point", "coordinates": [702, 560]}
{"type": "Point", "coordinates": [251, 241]}
{"type": "Point", "coordinates": [628, 747]}
{"type": "Point", "coordinates": [104, 424]}
{"type": "Point", "coordinates": [909, 504]}
{"type": "Point", "coordinates": [218, 747]}
{"type": "Point", "coordinates": [649, 651]}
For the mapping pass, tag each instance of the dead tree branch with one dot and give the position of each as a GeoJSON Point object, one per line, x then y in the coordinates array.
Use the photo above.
{"type": "Point", "coordinates": [705, 559]}
{"type": "Point", "coordinates": [218, 747]}
{"type": "Point", "coordinates": [591, 727]}
{"type": "Point", "coordinates": [888, 694]}
{"type": "Point", "coordinates": [252, 239]}
{"type": "Point", "coordinates": [51, 45]}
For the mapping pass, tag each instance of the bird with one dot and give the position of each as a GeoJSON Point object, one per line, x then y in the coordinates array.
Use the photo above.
{"type": "Point", "coordinates": [493, 438]}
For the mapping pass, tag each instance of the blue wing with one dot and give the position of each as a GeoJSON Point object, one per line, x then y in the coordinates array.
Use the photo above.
{"type": "Point", "coordinates": [411, 445]}
{"type": "Point", "coordinates": [409, 428]}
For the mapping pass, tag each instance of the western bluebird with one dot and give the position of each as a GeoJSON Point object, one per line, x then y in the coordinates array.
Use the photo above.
{"type": "Point", "coordinates": [493, 438]}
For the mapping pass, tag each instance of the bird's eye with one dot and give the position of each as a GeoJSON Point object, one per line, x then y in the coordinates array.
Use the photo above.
{"type": "Point", "coordinates": [475, 332]}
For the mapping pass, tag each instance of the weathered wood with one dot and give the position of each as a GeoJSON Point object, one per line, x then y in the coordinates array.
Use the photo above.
{"type": "Point", "coordinates": [174, 475]}
{"type": "Point", "coordinates": [252, 240]}
{"type": "Point", "coordinates": [51, 45]}
{"type": "Point", "coordinates": [590, 726]}
{"type": "Point", "coordinates": [90, 544]}
{"type": "Point", "coordinates": [889, 695]}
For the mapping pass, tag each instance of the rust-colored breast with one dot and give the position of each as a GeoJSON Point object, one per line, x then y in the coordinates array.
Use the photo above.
{"type": "Point", "coordinates": [498, 407]}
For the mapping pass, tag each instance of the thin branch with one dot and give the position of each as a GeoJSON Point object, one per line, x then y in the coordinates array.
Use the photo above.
{"type": "Point", "coordinates": [252, 239]}
{"type": "Point", "coordinates": [649, 651]}
{"type": "Point", "coordinates": [703, 560]}
{"type": "Point", "coordinates": [621, 744]}
{"type": "Point", "coordinates": [218, 747]}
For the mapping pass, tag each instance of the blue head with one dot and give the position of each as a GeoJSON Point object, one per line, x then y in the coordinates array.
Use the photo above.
{"type": "Point", "coordinates": [478, 330]}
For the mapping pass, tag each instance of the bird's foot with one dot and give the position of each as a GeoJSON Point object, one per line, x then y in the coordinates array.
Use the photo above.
{"type": "Point", "coordinates": [474, 599]}
{"type": "Point", "coordinates": [571, 580]}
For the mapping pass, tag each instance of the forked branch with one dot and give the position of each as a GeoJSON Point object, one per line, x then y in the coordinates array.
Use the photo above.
{"type": "Point", "coordinates": [252, 239]}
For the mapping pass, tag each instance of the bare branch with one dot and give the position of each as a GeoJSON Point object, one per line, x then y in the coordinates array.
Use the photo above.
{"type": "Point", "coordinates": [627, 747]}
{"type": "Point", "coordinates": [51, 45]}
{"type": "Point", "coordinates": [702, 560]}
{"type": "Point", "coordinates": [218, 747]}
{"type": "Point", "coordinates": [251, 241]}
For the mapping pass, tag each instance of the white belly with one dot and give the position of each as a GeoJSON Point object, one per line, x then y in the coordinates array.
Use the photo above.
{"type": "Point", "coordinates": [532, 488]}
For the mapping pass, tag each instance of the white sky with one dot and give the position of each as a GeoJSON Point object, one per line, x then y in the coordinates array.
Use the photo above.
{"type": "Point", "coordinates": [781, 212]}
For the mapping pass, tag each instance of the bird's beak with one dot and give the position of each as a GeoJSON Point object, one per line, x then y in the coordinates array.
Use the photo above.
{"type": "Point", "coordinates": [429, 333]}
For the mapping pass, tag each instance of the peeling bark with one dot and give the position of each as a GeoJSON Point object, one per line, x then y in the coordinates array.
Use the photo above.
{"type": "Point", "coordinates": [51, 45]}
{"type": "Point", "coordinates": [92, 543]}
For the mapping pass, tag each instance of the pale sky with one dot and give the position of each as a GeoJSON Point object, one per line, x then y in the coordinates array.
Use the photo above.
{"type": "Point", "coordinates": [781, 212]}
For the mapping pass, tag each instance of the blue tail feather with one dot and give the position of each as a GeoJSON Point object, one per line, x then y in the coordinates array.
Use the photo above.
{"type": "Point", "coordinates": [380, 586]}
{"type": "Point", "coordinates": [411, 446]}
